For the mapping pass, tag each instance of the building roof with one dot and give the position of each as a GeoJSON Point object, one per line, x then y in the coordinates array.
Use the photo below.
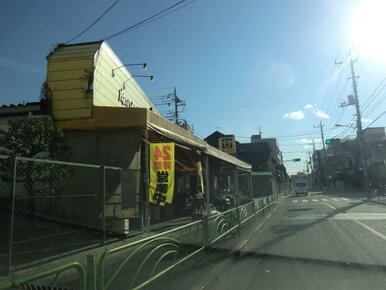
{"type": "Point", "coordinates": [31, 108]}
{"type": "Point", "coordinates": [254, 147]}
{"type": "Point", "coordinates": [112, 117]}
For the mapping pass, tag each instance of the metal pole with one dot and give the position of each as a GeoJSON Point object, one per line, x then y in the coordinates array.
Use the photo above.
{"type": "Point", "coordinates": [322, 133]}
{"type": "Point", "coordinates": [359, 125]}
{"type": "Point", "coordinates": [236, 184]}
{"type": "Point", "coordinates": [176, 101]}
{"type": "Point", "coordinates": [11, 211]}
{"type": "Point", "coordinates": [250, 184]}
{"type": "Point", "coordinates": [207, 203]}
{"type": "Point", "coordinates": [147, 184]}
{"type": "Point", "coordinates": [91, 273]}
{"type": "Point", "coordinates": [103, 203]}
{"type": "Point", "coordinates": [207, 186]}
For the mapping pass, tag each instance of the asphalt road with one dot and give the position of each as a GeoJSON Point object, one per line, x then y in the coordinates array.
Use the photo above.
{"type": "Point", "coordinates": [322, 241]}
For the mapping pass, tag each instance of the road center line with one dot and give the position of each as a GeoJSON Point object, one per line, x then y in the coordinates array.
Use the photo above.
{"type": "Point", "coordinates": [378, 234]}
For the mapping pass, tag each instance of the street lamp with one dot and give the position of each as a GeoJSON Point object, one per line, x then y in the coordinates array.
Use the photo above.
{"type": "Point", "coordinates": [339, 125]}
{"type": "Point", "coordinates": [143, 65]}
{"type": "Point", "coordinates": [151, 79]}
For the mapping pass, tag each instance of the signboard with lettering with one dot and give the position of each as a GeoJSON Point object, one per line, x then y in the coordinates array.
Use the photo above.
{"type": "Point", "coordinates": [161, 173]}
{"type": "Point", "coordinates": [227, 144]}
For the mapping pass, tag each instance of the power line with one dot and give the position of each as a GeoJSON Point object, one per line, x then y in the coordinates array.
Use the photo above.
{"type": "Point", "coordinates": [150, 19]}
{"type": "Point", "coordinates": [373, 95]}
{"type": "Point", "coordinates": [169, 12]}
{"type": "Point", "coordinates": [295, 135]}
{"type": "Point", "coordinates": [376, 119]}
{"type": "Point", "coordinates": [380, 101]}
{"type": "Point", "coordinates": [93, 23]}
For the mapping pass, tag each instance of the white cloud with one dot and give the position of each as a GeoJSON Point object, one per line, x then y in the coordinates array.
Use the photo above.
{"type": "Point", "coordinates": [281, 75]}
{"type": "Point", "coordinates": [298, 115]}
{"type": "Point", "coordinates": [321, 114]}
{"type": "Point", "coordinates": [366, 120]}
{"type": "Point", "coordinates": [308, 106]}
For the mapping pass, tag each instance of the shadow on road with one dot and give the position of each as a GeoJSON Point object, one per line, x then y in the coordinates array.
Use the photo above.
{"type": "Point", "coordinates": [311, 261]}
{"type": "Point", "coordinates": [284, 233]}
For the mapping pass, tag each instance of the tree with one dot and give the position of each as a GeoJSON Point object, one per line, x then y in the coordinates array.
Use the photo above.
{"type": "Point", "coordinates": [34, 138]}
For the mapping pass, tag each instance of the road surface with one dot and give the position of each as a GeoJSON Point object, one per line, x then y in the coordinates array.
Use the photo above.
{"type": "Point", "coordinates": [322, 241]}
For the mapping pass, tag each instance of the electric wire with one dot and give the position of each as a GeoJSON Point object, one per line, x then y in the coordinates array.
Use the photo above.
{"type": "Point", "coordinates": [149, 19]}
{"type": "Point", "coordinates": [93, 23]}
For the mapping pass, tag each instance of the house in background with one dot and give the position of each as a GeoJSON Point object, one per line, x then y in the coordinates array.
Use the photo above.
{"type": "Point", "coordinates": [268, 172]}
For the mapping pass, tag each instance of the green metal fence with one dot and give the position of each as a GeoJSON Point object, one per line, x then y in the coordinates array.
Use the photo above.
{"type": "Point", "coordinates": [50, 208]}
{"type": "Point", "coordinates": [140, 263]}
{"type": "Point", "coordinates": [45, 216]}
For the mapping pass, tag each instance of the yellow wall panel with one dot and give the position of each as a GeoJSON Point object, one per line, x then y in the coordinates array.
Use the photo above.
{"type": "Point", "coordinates": [81, 63]}
{"type": "Point", "coordinates": [68, 84]}
{"type": "Point", "coordinates": [67, 74]}
{"type": "Point", "coordinates": [72, 114]}
{"type": "Point", "coordinates": [71, 104]}
{"type": "Point", "coordinates": [71, 94]}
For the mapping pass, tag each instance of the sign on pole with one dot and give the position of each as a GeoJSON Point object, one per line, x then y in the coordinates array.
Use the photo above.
{"type": "Point", "coordinates": [161, 173]}
{"type": "Point", "coordinates": [227, 144]}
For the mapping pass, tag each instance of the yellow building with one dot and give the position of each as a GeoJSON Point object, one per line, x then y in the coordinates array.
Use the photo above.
{"type": "Point", "coordinates": [108, 120]}
{"type": "Point", "coordinates": [83, 76]}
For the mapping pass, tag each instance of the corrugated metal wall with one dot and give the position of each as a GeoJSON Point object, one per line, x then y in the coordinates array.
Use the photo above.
{"type": "Point", "coordinates": [68, 72]}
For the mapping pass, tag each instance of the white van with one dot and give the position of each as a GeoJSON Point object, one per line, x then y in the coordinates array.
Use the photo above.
{"type": "Point", "coordinates": [301, 188]}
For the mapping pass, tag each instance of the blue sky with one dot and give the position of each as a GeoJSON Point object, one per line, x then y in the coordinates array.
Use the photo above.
{"type": "Point", "coordinates": [240, 65]}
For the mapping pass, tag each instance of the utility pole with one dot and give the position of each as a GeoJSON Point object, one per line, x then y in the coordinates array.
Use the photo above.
{"type": "Point", "coordinates": [321, 125]}
{"type": "Point", "coordinates": [176, 105]}
{"type": "Point", "coordinates": [359, 122]}
{"type": "Point", "coordinates": [321, 164]}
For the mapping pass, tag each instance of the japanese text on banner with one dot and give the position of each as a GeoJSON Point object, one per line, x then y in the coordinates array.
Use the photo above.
{"type": "Point", "coordinates": [161, 173]}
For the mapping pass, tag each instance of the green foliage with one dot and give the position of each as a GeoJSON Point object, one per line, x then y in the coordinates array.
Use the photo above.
{"type": "Point", "coordinates": [35, 138]}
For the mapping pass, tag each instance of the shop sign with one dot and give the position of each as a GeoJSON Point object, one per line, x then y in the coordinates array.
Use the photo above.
{"type": "Point", "coordinates": [161, 173]}
{"type": "Point", "coordinates": [227, 144]}
{"type": "Point", "coordinates": [123, 100]}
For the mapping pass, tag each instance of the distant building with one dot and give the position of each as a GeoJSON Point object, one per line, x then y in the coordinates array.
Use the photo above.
{"type": "Point", "coordinates": [268, 172]}
{"type": "Point", "coordinates": [340, 167]}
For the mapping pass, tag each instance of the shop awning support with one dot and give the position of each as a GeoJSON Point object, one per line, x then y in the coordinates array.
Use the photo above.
{"type": "Point", "coordinates": [146, 217]}
{"type": "Point", "coordinates": [250, 185]}
{"type": "Point", "coordinates": [236, 185]}
{"type": "Point", "coordinates": [207, 186]}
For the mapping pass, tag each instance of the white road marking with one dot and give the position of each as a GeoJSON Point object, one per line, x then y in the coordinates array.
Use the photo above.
{"type": "Point", "coordinates": [378, 234]}
{"type": "Point", "coordinates": [315, 200]}
{"type": "Point", "coordinates": [335, 199]}
{"type": "Point", "coordinates": [324, 199]}
{"type": "Point", "coordinates": [295, 201]}
{"type": "Point", "coordinates": [304, 200]}
{"type": "Point", "coordinates": [346, 199]}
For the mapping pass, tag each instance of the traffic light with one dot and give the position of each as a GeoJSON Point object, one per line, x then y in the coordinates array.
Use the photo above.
{"type": "Point", "coordinates": [295, 160]}
{"type": "Point", "coordinates": [332, 141]}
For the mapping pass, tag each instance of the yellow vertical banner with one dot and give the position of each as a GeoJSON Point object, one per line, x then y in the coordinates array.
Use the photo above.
{"type": "Point", "coordinates": [161, 173]}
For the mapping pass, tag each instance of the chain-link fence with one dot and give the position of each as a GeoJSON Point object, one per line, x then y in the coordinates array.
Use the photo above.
{"type": "Point", "coordinates": [49, 208]}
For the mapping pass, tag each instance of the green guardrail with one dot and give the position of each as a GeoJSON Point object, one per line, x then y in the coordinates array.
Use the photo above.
{"type": "Point", "coordinates": [27, 283]}
{"type": "Point", "coordinates": [146, 260]}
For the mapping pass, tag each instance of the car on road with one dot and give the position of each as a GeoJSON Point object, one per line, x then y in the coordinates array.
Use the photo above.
{"type": "Point", "coordinates": [301, 188]}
